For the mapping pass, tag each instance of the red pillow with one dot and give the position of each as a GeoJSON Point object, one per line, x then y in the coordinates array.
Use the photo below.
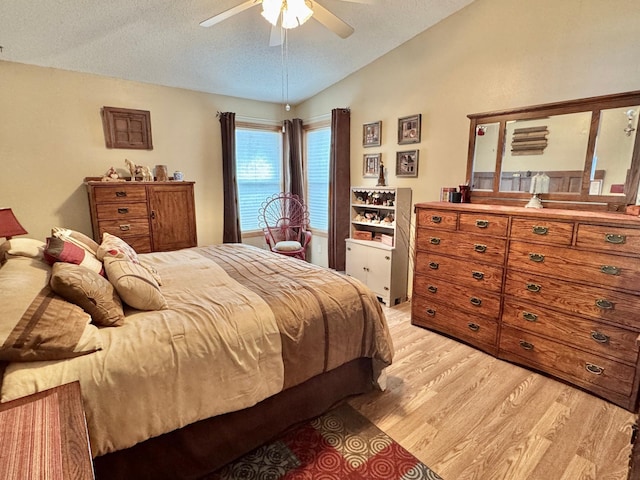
{"type": "Point", "coordinates": [58, 250]}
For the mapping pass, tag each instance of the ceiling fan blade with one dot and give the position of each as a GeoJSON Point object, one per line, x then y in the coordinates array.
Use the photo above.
{"type": "Point", "coordinates": [229, 13]}
{"type": "Point", "coordinates": [329, 20]}
{"type": "Point", "coordinates": [276, 38]}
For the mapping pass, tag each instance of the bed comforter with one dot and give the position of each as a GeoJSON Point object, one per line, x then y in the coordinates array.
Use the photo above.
{"type": "Point", "coordinates": [242, 324]}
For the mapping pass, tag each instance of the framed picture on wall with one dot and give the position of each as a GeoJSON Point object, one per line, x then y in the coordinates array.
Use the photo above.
{"type": "Point", "coordinates": [371, 165]}
{"type": "Point", "coordinates": [409, 129]}
{"type": "Point", "coordinates": [407, 163]}
{"type": "Point", "coordinates": [371, 134]}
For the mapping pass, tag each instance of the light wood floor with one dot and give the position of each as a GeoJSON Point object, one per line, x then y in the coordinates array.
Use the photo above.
{"type": "Point", "coordinates": [468, 415]}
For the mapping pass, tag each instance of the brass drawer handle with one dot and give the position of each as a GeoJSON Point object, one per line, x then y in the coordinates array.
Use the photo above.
{"type": "Point", "coordinates": [600, 337]}
{"type": "Point", "coordinates": [474, 327]}
{"type": "Point", "coordinates": [433, 265]}
{"type": "Point", "coordinates": [604, 304]}
{"type": "Point", "coordinates": [482, 223]}
{"type": "Point", "coordinates": [536, 257]}
{"type": "Point", "coordinates": [610, 270]}
{"type": "Point", "coordinates": [434, 241]}
{"type": "Point", "coordinates": [595, 369]}
{"type": "Point", "coordinates": [540, 230]}
{"type": "Point", "coordinates": [480, 248]}
{"type": "Point", "coordinates": [432, 289]}
{"type": "Point", "coordinates": [431, 312]}
{"type": "Point", "coordinates": [475, 301]}
{"type": "Point", "coordinates": [477, 275]}
{"type": "Point", "coordinates": [121, 194]}
{"type": "Point", "coordinates": [615, 238]}
{"type": "Point", "coordinates": [123, 210]}
{"type": "Point", "coordinates": [526, 345]}
{"type": "Point", "coordinates": [530, 317]}
{"type": "Point", "coordinates": [125, 227]}
{"type": "Point", "coordinates": [534, 287]}
{"type": "Point", "coordinates": [436, 219]}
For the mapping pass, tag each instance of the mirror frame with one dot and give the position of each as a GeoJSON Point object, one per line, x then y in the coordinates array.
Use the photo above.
{"type": "Point", "coordinates": [581, 201]}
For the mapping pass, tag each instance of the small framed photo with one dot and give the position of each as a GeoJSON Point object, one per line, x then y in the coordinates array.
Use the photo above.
{"type": "Point", "coordinates": [371, 165]}
{"type": "Point", "coordinates": [409, 129]}
{"type": "Point", "coordinates": [407, 163]}
{"type": "Point", "coordinates": [372, 134]}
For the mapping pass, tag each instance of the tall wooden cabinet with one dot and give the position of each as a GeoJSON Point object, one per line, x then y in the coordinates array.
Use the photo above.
{"type": "Point", "coordinates": [149, 216]}
{"type": "Point", "coordinates": [555, 290]}
{"type": "Point", "coordinates": [378, 249]}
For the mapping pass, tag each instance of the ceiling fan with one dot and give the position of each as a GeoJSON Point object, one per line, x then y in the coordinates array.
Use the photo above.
{"type": "Point", "coordinates": [289, 14]}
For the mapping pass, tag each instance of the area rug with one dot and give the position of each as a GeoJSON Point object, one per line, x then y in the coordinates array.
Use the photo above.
{"type": "Point", "coordinates": [340, 445]}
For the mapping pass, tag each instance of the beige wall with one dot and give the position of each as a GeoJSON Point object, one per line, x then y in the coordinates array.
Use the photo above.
{"type": "Point", "coordinates": [51, 138]}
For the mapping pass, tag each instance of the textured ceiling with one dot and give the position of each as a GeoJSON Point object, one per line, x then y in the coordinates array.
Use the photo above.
{"type": "Point", "coordinates": [161, 42]}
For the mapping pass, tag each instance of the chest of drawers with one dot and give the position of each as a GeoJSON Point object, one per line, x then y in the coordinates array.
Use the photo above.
{"type": "Point", "coordinates": [554, 290]}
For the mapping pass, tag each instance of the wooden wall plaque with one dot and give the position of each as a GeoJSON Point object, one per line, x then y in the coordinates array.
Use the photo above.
{"type": "Point", "coordinates": [127, 128]}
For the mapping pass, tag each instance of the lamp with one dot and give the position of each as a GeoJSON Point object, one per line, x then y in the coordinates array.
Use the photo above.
{"type": "Point", "coordinates": [9, 225]}
{"type": "Point", "coordinates": [294, 12]}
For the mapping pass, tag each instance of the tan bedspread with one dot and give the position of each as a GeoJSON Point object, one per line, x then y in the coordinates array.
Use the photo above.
{"type": "Point", "coordinates": [242, 325]}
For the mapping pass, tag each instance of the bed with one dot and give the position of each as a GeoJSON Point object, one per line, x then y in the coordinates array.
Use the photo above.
{"type": "Point", "coordinates": [246, 344]}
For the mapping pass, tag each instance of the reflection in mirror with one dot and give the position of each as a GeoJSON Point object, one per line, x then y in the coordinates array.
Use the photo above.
{"type": "Point", "coordinates": [556, 145]}
{"type": "Point", "coordinates": [485, 156]}
{"type": "Point", "coordinates": [614, 150]}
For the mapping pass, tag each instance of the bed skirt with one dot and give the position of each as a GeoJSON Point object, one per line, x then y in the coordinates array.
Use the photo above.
{"type": "Point", "coordinates": [205, 446]}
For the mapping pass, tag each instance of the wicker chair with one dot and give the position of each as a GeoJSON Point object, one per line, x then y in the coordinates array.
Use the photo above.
{"type": "Point", "coordinates": [284, 219]}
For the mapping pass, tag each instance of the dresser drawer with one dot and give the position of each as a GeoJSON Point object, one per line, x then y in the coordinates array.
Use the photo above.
{"type": "Point", "coordinates": [582, 300]}
{"type": "Point", "coordinates": [578, 265]}
{"type": "Point", "coordinates": [457, 270]}
{"type": "Point", "coordinates": [476, 301]}
{"type": "Point", "coordinates": [583, 368]}
{"type": "Point", "coordinates": [589, 335]}
{"type": "Point", "coordinates": [437, 219]}
{"type": "Point", "coordinates": [475, 330]}
{"type": "Point", "coordinates": [542, 230]}
{"type": "Point", "coordinates": [123, 193]}
{"type": "Point", "coordinates": [495, 225]}
{"type": "Point", "coordinates": [472, 247]}
{"type": "Point", "coordinates": [121, 211]}
{"type": "Point", "coordinates": [610, 239]}
{"type": "Point", "coordinates": [124, 228]}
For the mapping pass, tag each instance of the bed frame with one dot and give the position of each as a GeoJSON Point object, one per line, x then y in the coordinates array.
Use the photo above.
{"type": "Point", "coordinates": [203, 447]}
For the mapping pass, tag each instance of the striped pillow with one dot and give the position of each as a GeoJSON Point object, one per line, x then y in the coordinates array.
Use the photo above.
{"type": "Point", "coordinates": [77, 238]}
{"type": "Point", "coordinates": [35, 323]}
{"type": "Point", "coordinates": [58, 250]}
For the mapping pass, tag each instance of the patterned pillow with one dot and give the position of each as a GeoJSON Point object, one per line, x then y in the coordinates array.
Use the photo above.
{"type": "Point", "coordinates": [115, 247]}
{"type": "Point", "coordinates": [77, 238]}
{"type": "Point", "coordinates": [58, 250]}
{"type": "Point", "coordinates": [90, 291]}
{"type": "Point", "coordinates": [135, 284]}
{"type": "Point", "coordinates": [35, 323]}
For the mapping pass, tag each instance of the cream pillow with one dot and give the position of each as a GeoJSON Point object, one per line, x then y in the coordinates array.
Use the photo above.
{"type": "Point", "coordinates": [135, 284]}
{"type": "Point", "coordinates": [288, 246]}
{"type": "Point", "coordinates": [115, 247]}
{"type": "Point", "coordinates": [22, 247]}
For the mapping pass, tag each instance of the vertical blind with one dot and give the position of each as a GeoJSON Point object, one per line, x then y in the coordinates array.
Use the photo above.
{"type": "Point", "coordinates": [317, 145]}
{"type": "Point", "coordinates": [258, 170]}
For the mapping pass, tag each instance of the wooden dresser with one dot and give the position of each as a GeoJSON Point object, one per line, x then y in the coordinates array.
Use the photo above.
{"type": "Point", "coordinates": [554, 290]}
{"type": "Point", "coordinates": [149, 216]}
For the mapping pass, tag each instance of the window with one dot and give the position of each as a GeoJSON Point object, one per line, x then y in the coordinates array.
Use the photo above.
{"type": "Point", "coordinates": [259, 171]}
{"type": "Point", "coordinates": [318, 144]}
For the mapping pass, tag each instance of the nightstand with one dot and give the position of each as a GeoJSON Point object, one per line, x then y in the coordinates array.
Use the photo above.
{"type": "Point", "coordinates": [44, 436]}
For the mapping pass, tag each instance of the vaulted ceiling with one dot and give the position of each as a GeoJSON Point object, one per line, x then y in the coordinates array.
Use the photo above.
{"type": "Point", "coordinates": [161, 42]}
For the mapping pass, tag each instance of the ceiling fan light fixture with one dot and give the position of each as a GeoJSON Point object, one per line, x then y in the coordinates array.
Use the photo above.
{"type": "Point", "coordinates": [271, 10]}
{"type": "Point", "coordinates": [295, 13]}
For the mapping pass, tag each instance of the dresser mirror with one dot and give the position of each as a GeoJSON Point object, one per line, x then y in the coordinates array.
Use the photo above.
{"type": "Point", "coordinates": [589, 149]}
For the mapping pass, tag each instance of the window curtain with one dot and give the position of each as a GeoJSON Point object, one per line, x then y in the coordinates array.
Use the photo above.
{"type": "Point", "coordinates": [294, 176]}
{"type": "Point", "coordinates": [339, 186]}
{"type": "Point", "coordinates": [231, 229]}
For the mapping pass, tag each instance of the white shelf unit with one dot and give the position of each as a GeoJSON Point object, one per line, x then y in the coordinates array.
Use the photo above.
{"type": "Point", "coordinates": [378, 211]}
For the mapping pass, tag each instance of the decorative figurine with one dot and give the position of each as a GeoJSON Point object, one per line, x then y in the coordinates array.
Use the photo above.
{"type": "Point", "coordinates": [381, 181]}
{"type": "Point", "coordinates": [112, 176]}
{"type": "Point", "coordinates": [144, 172]}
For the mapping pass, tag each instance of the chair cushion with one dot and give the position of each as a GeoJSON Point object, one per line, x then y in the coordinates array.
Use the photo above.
{"type": "Point", "coordinates": [288, 246]}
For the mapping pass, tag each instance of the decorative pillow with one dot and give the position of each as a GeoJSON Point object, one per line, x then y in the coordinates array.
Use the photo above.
{"type": "Point", "coordinates": [288, 246]}
{"type": "Point", "coordinates": [90, 291]}
{"type": "Point", "coordinates": [115, 247]}
{"type": "Point", "coordinates": [135, 284]}
{"type": "Point", "coordinates": [35, 323]}
{"type": "Point", "coordinates": [58, 250]}
{"type": "Point", "coordinates": [22, 247]}
{"type": "Point", "coordinates": [77, 238]}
